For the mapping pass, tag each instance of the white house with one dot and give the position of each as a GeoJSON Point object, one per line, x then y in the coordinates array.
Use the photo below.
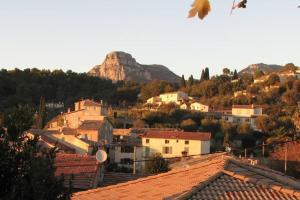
{"type": "Point", "coordinates": [244, 114]}
{"type": "Point", "coordinates": [173, 144]}
{"type": "Point", "coordinates": [174, 97]}
{"type": "Point", "coordinates": [199, 107]}
{"type": "Point", "coordinates": [171, 97]}
{"type": "Point", "coordinates": [246, 110]}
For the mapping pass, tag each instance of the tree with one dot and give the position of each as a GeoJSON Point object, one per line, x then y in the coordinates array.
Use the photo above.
{"type": "Point", "coordinates": [228, 130]}
{"type": "Point", "coordinates": [202, 8]}
{"type": "Point", "coordinates": [188, 125]}
{"type": "Point", "coordinates": [264, 123]}
{"type": "Point", "coordinates": [183, 83]}
{"type": "Point", "coordinates": [258, 73]}
{"type": "Point", "coordinates": [226, 71]}
{"type": "Point", "coordinates": [27, 171]}
{"type": "Point", "coordinates": [191, 81]}
{"type": "Point", "coordinates": [41, 115]}
{"type": "Point", "coordinates": [206, 74]}
{"type": "Point", "coordinates": [157, 164]}
{"type": "Point", "coordinates": [273, 79]}
{"type": "Point", "coordinates": [290, 97]}
{"type": "Point", "coordinates": [202, 76]}
{"type": "Point", "coordinates": [296, 120]}
{"type": "Point", "coordinates": [235, 75]}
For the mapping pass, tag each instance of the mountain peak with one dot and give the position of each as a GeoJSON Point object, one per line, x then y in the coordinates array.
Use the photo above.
{"type": "Point", "coordinates": [119, 65]}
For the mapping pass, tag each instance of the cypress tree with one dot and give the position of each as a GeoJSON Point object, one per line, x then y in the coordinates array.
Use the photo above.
{"type": "Point", "coordinates": [183, 83]}
{"type": "Point", "coordinates": [235, 75]}
{"type": "Point", "coordinates": [202, 76]}
{"type": "Point", "coordinates": [191, 81]}
{"type": "Point", "coordinates": [206, 74]}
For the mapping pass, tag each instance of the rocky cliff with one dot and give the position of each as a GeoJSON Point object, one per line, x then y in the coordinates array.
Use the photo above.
{"type": "Point", "coordinates": [122, 66]}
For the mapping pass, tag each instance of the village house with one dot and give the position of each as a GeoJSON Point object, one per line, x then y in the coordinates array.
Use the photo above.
{"type": "Point", "coordinates": [84, 110]}
{"type": "Point", "coordinates": [283, 76]}
{"type": "Point", "coordinates": [185, 106]}
{"type": "Point", "coordinates": [196, 106]}
{"type": "Point", "coordinates": [244, 114]}
{"type": "Point", "coordinates": [215, 176]}
{"type": "Point", "coordinates": [65, 140]}
{"type": "Point", "coordinates": [88, 121]}
{"type": "Point", "coordinates": [126, 148]}
{"type": "Point", "coordinates": [174, 143]}
{"type": "Point", "coordinates": [261, 79]}
{"type": "Point", "coordinates": [240, 93]}
{"type": "Point", "coordinates": [171, 97]}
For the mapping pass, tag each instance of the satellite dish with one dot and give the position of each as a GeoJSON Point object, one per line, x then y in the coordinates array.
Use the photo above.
{"type": "Point", "coordinates": [101, 156]}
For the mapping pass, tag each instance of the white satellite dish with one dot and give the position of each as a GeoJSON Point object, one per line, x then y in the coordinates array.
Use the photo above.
{"type": "Point", "coordinates": [101, 156]}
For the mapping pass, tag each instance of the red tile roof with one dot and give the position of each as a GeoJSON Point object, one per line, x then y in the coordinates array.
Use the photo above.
{"type": "Point", "coordinates": [220, 177]}
{"type": "Point", "coordinates": [48, 140]}
{"type": "Point", "coordinates": [91, 125]}
{"type": "Point", "coordinates": [246, 106]}
{"type": "Point", "coordinates": [89, 102]}
{"type": "Point", "coordinates": [82, 168]}
{"type": "Point", "coordinates": [203, 136]}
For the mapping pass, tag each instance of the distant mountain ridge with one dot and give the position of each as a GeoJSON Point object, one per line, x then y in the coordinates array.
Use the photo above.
{"type": "Point", "coordinates": [251, 69]}
{"type": "Point", "coordinates": [119, 66]}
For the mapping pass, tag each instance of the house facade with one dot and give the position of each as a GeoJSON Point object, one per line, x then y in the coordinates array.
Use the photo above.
{"type": "Point", "coordinates": [244, 114]}
{"type": "Point", "coordinates": [171, 97]}
{"type": "Point", "coordinates": [199, 107]}
{"type": "Point", "coordinates": [174, 97]}
{"type": "Point", "coordinates": [173, 144]}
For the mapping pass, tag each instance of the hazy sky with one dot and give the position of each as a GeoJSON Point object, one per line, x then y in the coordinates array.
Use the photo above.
{"type": "Point", "coordinates": [77, 34]}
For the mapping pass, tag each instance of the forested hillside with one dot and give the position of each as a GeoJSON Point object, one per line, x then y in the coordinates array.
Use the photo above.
{"type": "Point", "coordinates": [27, 86]}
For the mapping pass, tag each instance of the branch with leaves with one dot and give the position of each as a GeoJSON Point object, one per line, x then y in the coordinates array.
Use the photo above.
{"type": "Point", "coordinates": [202, 8]}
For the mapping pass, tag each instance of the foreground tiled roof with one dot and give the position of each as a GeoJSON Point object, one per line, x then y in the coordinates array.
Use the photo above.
{"type": "Point", "coordinates": [82, 169]}
{"type": "Point", "coordinates": [91, 125]}
{"type": "Point", "coordinates": [203, 136]}
{"type": "Point", "coordinates": [217, 178]}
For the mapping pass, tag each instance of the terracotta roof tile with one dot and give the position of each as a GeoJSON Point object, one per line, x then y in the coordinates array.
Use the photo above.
{"type": "Point", "coordinates": [82, 169]}
{"type": "Point", "coordinates": [88, 102]}
{"type": "Point", "coordinates": [91, 125]}
{"type": "Point", "coordinates": [217, 178]}
{"type": "Point", "coordinates": [204, 136]}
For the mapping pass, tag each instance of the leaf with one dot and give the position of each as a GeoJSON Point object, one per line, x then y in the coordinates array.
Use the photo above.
{"type": "Point", "coordinates": [200, 7]}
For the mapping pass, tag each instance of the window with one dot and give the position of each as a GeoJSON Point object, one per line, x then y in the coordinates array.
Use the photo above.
{"type": "Point", "coordinates": [127, 149]}
{"type": "Point", "coordinates": [177, 141]}
{"type": "Point", "coordinates": [167, 150]}
{"type": "Point", "coordinates": [167, 141]}
{"type": "Point", "coordinates": [186, 142]}
{"type": "Point", "coordinates": [247, 120]}
{"type": "Point", "coordinates": [147, 141]}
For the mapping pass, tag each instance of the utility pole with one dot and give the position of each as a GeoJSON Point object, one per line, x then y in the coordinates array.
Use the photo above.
{"type": "Point", "coordinates": [285, 156]}
{"type": "Point", "coordinates": [134, 159]}
{"type": "Point", "coordinates": [245, 153]}
{"type": "Point", "coordinates": [263, 152]}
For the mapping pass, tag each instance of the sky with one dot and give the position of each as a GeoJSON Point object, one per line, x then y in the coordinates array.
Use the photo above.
{"type": "Point", "coordinates": [77, 34]}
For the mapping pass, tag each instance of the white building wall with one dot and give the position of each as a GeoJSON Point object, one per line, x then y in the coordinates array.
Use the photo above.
{"type": "Point", "coordinates": [194, 147]}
